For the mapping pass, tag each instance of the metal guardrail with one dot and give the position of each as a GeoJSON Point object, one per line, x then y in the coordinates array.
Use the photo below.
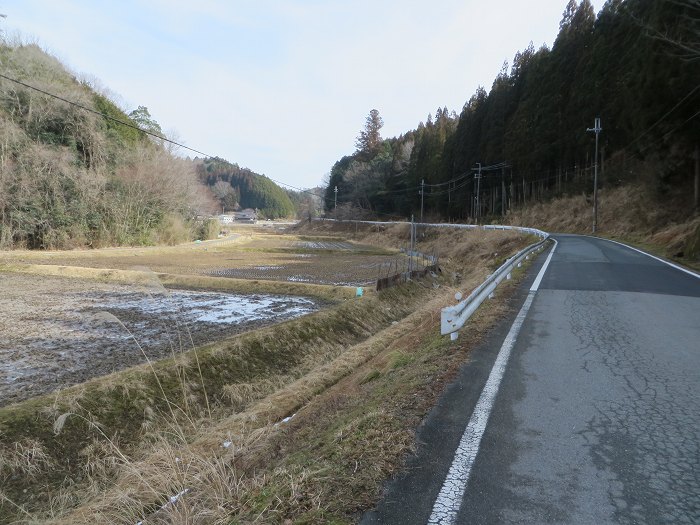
{"type": "Point", "coordinates": [452, 318]}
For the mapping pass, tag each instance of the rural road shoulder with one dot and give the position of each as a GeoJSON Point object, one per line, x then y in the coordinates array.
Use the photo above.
{"type": "Point", "coordinates": [596, 419]}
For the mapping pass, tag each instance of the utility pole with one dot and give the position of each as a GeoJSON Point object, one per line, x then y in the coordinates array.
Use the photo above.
{"type": "Point", "coordinates": [503, 191]}
{"type": "Point", "coordinates": [696, 195]}
{"type": "Point", "coordinates": [422, 192]}
{"type": "Point", "coordinates": [478, 189]}
{"type": "Point", "coordinates": [412, 247]}
{"type": "Point", "coordinates": [335, 205]}
{"type": "Point", "coordinates": [596, 129]}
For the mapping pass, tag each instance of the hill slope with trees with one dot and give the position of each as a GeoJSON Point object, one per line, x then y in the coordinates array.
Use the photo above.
{"type": "Point", "coordinates": [635, 66]}
{"type": "Point", "coordinates": [240, 187]}
{"type": "Point", "coordinates": [70, 177]}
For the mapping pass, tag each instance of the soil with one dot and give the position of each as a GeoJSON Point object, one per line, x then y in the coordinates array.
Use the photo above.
{"type": "Point", "coordinates": [269, 257]}
{"type": "Point", "coordinates": [57, 331]}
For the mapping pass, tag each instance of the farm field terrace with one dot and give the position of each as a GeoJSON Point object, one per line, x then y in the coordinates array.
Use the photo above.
{"type": "Point", "coordinates": [297, 421]}
{"type": "Point", "coordinates": [250, 254]}
{"type": "Point", "coordinates": [62, 330]}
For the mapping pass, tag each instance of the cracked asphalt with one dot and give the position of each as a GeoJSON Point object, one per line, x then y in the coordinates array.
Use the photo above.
{"type": "Point", "coordinates": [597, 419]}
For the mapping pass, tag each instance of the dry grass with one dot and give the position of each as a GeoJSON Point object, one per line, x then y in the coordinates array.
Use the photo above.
{"type": "Point", "coordinates": [239, 483]}
{"type": "Point", "coordinates": [629, 213]}
{"type": "Point", "coordinates": [365, 375]}
{"type": "Point", "coordinates": [459, 251]}
{"type": "Point", "coordinates": [150, 279]}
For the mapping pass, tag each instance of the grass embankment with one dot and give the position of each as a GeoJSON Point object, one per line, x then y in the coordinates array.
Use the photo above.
{"type": "Point", "coordinates": [135, 406]}
{"type": "Point", "coordinates": [631, 214]}
{"type": "Point", "coordinates": [360, 377]}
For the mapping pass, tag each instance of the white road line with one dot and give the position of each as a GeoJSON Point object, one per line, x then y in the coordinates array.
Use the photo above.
{"type": "Point", "coordinates": [450, 497]}
{"type": "Point", "coordinates": [536, 285]}
{"type": "Point", "coordinates": [689, 272]}
{"type": "Point", "coordinates": [449, 500]}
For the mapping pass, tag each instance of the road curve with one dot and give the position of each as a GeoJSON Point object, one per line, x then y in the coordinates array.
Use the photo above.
{"type": "Point", "coordinates": [597, 417]}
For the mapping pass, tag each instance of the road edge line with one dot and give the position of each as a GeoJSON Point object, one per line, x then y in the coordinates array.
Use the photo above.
{"type": "Point", "coordinates": [672, 265]}
{"type": "Point", "coordinates": [449, 499]}
{"type": "Point", "coordinates": [538, 280]}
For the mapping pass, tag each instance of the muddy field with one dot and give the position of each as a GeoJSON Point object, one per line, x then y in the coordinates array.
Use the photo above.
{"type": "Point", "coordinates": [260, 256]}
{"type": "Point", "coordinates": [58, 332]}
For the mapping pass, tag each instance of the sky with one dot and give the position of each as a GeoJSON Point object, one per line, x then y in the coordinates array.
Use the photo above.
{"type": "Point", "coordinates": [284, 87]}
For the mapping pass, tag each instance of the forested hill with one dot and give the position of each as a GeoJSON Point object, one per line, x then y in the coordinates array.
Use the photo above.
{"type": "Point", "coordinates": [238, 187]}
{"type": "Point", "coordinates": [635, 65]}
{"type": "Point", "coordinates": [70, 177]}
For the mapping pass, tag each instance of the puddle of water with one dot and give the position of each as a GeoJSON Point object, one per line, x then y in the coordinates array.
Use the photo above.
{"type": "Point", "coordinates": [321, 245]}
{"type": "Point", "coordinates": [70, 337]}
{"type": "Point", "coordinates": [212, 307]}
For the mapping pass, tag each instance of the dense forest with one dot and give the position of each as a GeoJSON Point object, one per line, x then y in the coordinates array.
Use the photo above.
{"type": "Point", "coordinates": [70, 177]}
{"type": "Point", "coordinates": [238, 187]}
{"type": "Point", "coordinates": [636, 66]}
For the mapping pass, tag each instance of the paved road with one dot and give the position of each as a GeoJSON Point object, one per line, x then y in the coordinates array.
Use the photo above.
{"type": "Point", "coordinates": [597, 418]}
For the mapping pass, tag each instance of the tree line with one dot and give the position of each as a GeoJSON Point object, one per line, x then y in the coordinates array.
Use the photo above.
{"type": "Point", "coordinates": [238, 187]}
{"type": "Point", "coordinates": [635, 66]}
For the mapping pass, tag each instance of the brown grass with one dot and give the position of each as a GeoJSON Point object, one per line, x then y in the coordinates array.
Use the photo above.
{"type": "Point", "coordinates": [628, 213]}
{"type": "Point", "coordinates": [355, 408]}
{"type": "Point", "coordinates": [327, 463]}
{"type": "Point", "coordinates": [149, 278]}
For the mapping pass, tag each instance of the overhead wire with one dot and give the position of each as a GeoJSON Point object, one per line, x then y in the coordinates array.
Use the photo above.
{"type": "Point", "coordinates": [463, 177]}
{"type": "Point", "coordinates": [156, 135]}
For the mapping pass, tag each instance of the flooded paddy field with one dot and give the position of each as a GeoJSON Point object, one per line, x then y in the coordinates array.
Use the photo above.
{"type": "Point", "coordinates": [57, 331]}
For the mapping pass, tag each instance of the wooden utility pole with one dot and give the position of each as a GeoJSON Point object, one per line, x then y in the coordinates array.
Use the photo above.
{"type": "Point", "coordinates": [696, 200]}
{"type": "Point", "coordinates": [596, 129]}
{"type": "Point", "coordinates": [422, 193]}
{"type": "Point", "coordinates": [503, 191]}
{"type": "Point", "coordinates": [478, 189]}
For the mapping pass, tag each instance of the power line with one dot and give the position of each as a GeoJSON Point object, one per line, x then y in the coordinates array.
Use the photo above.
{"type": "Point", "coordinates": [663, 117]}
{"type": "Point", "coordinates": [103, 115]}
{"type": "Point", "coordinates": [133, 126]}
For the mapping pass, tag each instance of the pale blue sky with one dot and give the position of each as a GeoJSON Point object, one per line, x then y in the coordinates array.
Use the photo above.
{"type": "Point", "coordinates": [283, 88]}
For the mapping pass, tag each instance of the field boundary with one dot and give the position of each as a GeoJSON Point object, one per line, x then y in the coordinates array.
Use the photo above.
{"type": "Point", "coordinates": [146, 277]}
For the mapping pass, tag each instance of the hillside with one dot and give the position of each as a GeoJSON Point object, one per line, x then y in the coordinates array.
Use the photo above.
{"type": "Point", "coordinates": [240, 187]}
{"type": "Point", "coordinates": [70, 177]}
{"type": "Point", "coordinates": [634, 65]}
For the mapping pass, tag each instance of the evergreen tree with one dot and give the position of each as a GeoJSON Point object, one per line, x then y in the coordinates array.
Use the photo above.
{"type": "Point", "coordinates": [145, 121]}
{"type": "Point", "coordinates": [369, 139]}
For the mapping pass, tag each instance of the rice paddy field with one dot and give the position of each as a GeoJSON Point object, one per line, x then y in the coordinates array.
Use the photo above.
{"type": "Point", "coordinates": [59, 331]}
{"type": "Point", "coordinates": [240, 380]}
{"type": "Point", "coordinates": [249, 254]}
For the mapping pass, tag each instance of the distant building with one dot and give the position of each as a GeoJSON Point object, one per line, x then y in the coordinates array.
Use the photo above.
{"type": "Point", "coordinates": [226, 219]}
{"type": "Point", "coordinates": [247, 215]}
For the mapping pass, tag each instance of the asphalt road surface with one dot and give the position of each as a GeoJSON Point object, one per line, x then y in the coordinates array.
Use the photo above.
{"type": "Point", "coordinates": [596, 418]}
